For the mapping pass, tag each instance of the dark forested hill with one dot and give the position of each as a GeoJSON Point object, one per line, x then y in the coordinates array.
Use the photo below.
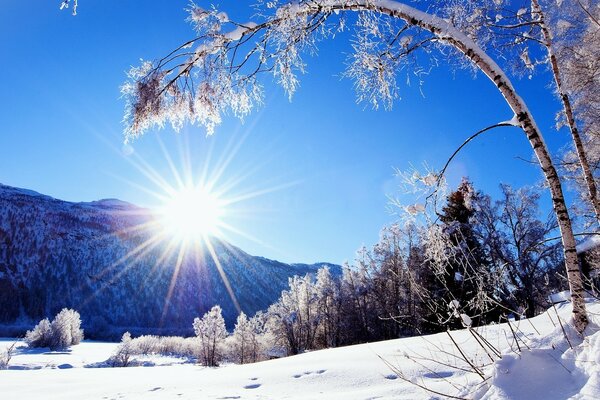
{"type": "Point", "coordinates": [94, 257]}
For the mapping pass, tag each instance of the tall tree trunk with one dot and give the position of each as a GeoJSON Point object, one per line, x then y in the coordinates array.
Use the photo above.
{"type": "Point", "coordinates": [447, 33]}
{"type": "Point", "coordinates": [581, 154]}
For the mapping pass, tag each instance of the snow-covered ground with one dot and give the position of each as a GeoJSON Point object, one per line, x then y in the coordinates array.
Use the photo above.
{"type": "Point", "coordinates": [548, 370]}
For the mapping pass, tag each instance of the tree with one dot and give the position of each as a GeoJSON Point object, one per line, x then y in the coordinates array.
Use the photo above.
{"type": "Point", "coordinates": [202, 83]}
{"type": "Point", "coordinates": [576, 25]}
{"type": "Point", "coordinates": [329, 304]}
{"type": "Point", "coordinates": [245, 342]}
{"type": "Point", "coordinates": [211, 332]}
{"type": "Point", "coordinates": [466, 267]}
{"type": "Point", "coordinates": [516, 240]}
{"type": "Point", "coordinates": [549, 26]}
{"type": "Point", "coordinates": [293, 319]}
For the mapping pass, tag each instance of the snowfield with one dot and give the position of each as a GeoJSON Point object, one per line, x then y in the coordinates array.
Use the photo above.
{"type": "Point", "coordinates": [393, 369]}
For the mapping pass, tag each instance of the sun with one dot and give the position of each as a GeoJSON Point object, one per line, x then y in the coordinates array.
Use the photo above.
{"type": "Point", "coordinates": [193, 213]}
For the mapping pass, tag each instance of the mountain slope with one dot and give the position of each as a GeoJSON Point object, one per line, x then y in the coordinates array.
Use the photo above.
{"type": "Point", "coordinates": [102, 259]}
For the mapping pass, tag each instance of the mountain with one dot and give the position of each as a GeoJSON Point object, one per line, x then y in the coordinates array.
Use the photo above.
{"type": "Point", "coordinates": [103, 259]}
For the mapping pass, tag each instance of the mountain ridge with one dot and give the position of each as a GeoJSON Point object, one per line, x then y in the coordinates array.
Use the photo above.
{"type": "Point", "coordinates": [93, 257]}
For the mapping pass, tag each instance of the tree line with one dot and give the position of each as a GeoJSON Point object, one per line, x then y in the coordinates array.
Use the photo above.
{"type": "Point", "coordinates": [483, 262]}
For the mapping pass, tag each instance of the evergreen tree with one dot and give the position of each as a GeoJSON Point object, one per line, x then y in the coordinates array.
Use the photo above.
{"type": "Point", "coordinates": [465, 277]}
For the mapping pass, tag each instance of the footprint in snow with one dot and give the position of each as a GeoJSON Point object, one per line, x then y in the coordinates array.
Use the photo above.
{"type": "Point", "coordinates": [438, 375]}
{"type": "Point", "coordinates": [391, 376]}
{"type": "Point", "coordinates": [252, 386]}
{"type": "Point", "coordinates": [319, 372]}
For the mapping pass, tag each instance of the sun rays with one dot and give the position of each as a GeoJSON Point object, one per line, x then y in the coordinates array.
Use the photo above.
{"type": "Point", "coordinates": [192, 218]}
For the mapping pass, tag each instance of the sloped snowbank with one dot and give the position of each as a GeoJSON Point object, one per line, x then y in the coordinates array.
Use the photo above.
{"type": "Point", "coordinates": [553, 368]}
{"type": "Point", "coordinates": [550, 370]}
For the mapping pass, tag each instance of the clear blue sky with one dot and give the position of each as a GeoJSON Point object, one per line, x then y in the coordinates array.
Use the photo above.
{"type": "Point", "coordinates": [331, 159]}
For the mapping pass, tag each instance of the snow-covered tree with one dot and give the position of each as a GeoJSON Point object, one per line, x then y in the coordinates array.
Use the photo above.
{"type": "Point", "coordinates": [329, 304]}
{"type": "Point", "coordinates": [211, 332]}
{"type": "Point", "coordinates": [245, 345]}
{"type": "Point", "coordinates": [576, 28]}
{"type": "Point", "coordinates": [293, 320]}
{"type": "Point", "coordinates": [516, 241]}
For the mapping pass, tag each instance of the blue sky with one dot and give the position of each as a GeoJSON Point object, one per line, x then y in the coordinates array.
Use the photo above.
{"type": "Point", "coordinates": [325, 162]}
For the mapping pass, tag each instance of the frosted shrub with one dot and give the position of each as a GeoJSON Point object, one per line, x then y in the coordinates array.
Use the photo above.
{"type": "Point", "coordinates": [165, 345]}
{"type": "Point", "coordinates": [174, 346]}
{"type": "Point", "coordinates": [6, 355]}
{"type": "Point", "coordinates": [41, 335]}
{"type": "Point", "coordinates": [124, 352]}
{"type": "Point", "coordinates": [64, 331]}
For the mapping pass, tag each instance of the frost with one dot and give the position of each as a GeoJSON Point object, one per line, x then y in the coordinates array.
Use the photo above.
{"type": "Point", "coordinates": [415, 209]}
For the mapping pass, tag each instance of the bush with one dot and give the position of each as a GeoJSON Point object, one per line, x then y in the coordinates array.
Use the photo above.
{"type": "Point", "coordinates": [124, 352]}
{"type": "Point", "coordinates": [64, 331]}
{"type": "Point", "coordinates": [174, 346]}
{"type": "Point", "coordinates": [6, 355]}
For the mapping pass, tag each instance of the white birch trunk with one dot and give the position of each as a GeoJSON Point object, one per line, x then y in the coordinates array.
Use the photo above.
{"type": "Point", "coordinates": [583, 161]}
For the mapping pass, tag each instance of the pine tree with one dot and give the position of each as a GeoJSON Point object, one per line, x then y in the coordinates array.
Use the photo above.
{"type": "Point", "coordinates": [466, 268]}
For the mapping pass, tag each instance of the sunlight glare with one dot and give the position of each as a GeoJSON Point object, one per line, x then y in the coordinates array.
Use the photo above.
{"type": "Point", "coordinates": [192, 214]}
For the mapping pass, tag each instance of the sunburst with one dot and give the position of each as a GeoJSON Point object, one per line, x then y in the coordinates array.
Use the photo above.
{"type": "Point", "coordinates": [193, 215]}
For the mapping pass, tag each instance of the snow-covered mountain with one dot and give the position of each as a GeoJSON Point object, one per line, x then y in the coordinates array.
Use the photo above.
{"type": "Point", "coordinates": [95, 258]}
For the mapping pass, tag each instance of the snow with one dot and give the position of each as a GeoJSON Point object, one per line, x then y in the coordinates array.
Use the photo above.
{"type": "Point", "coordinates": [592, 242]}
{"type": "Point", "coordinates": [550, 370]}
{"type": "Point", "coordinates": [559, 297]}
{"type": "Point", "coordinates": [239, 31]}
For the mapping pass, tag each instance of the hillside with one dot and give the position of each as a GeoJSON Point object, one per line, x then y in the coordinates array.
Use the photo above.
{"type": "Point", "coordinates": [101, 259]}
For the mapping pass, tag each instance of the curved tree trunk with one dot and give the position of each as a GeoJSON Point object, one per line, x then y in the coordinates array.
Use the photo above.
{"type": "Point", "coordinates": [447, 33]}
{"type": "Point", "coordinates": [583, 161]}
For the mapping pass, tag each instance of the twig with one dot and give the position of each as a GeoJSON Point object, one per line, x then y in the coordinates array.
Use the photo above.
{"type": "Point", "coordinates": [400, 375]}
{"type": "Point", "coordinates": [465, 357]}
{"type": "Point", "coordinates": [561, 326]}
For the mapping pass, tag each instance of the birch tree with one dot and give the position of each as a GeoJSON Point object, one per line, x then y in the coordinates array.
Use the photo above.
{"type": "Point", "coordinates": [554, 27]}
{"type": "Point", "coordinates": [217, 72]}
{"type": "Point", "coordinates": [211, 332]}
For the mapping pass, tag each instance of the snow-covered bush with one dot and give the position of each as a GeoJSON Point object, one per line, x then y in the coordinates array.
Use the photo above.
{"type": "Point", "coordinates": [6, 355]}
{"type": "Point", "coordinates": [174, 346]}
{"type": "Point", "coordinates": [64, 331]}
{"type": "Point", "coordinates": [211, 332]}
{"type": "Point", "coordinates": [41, 335]}
{"type": "Point", "coordinates": [123, 353]}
